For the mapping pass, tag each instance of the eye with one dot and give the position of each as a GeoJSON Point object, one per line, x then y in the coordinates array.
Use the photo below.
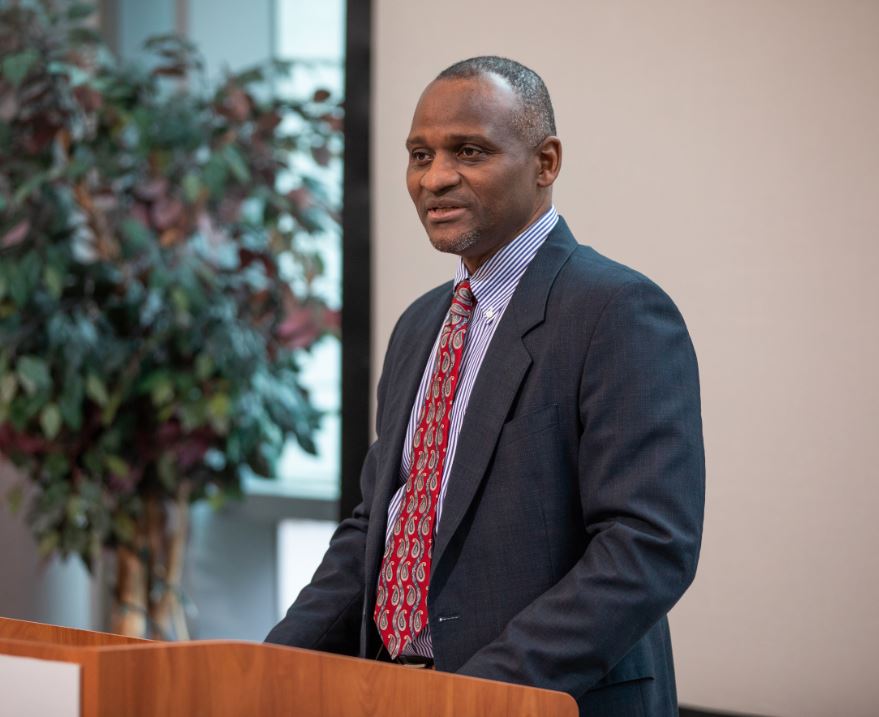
{"type": "Point", "coordinates": [419, 156]}
{"type": "Point", "coordinates": [470, 151]}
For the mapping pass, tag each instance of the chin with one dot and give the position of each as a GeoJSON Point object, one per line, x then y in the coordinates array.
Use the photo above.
{"type": "Point", "coordinates": [454, 243]}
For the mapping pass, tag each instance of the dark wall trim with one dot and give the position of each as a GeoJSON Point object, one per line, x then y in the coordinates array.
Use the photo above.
{"type": "Point", "coordinates": [696, 712]}
{"type": "Point", "coordinates": [356, 271]}
{"type": "Point", "coordinates": [108, 19]}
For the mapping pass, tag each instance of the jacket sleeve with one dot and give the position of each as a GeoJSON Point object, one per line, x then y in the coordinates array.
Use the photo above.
{"type": "Point", "coordinates": [641, 484]}
{"type": "Point", "coordinates": [326, 615]}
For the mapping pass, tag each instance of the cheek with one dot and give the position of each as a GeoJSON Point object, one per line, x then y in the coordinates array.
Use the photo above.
{"type": "Point", "coordinates": [413, 184]}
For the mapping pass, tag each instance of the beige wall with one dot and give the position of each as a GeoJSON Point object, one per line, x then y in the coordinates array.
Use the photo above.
{"type": "Point", "coordinates": [729, 150]}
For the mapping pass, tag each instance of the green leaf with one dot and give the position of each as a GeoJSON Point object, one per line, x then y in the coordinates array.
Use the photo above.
{"type": "Point", "coordinates": [161, 389]}
{"type": "Point", "coordinates": [166, 467]}
{"type": "Point", "coordinates": [36, 180]}
{"type": "Point", "coordinates": [191, 187]}
{"type": "Point", "coordinates": [23, 279]}
{"type": "Point", "coordinates": [70, 401]}
{"type": "Point", "coordinates": [15, 67]}
{"type": "Point", "coordinates": [137, 237]}
{"type": "Point", "coordinates": [84, 36]}
{"type": "Point", "coordinates": [215, 174]}
{"type": "Point", "coordinates": [54, 280]}
{"type": "Point", "coordinates": [204, 366]}
{"type": "Point", "coordinates": [14, 498]}
{"type": "Point", "coordinates": [33, 374]}
{"type": "Point", "coordinates": [116, 465]}
{"type": "Point", "coordinates": [236, 163]}
{"type": "Point", "coordinates": [76, 511]}
{"type": "Point", "coordinates": [113, 403]}
{"type": "Point", "coordinates": [123, 527]}
{"type": "Point", "coordinates": [80, 10]}
{"type": "Point", "coordinates": [93, 463]}
{"type": "Point", "coordinates": [75, 74]}
{"type": "Point", "coordinates": [192, 415]}
{"type": "Point", "coordinates": [218, 408]}
{"type": "Point", "coordinates": [180, 300]}
{"type": "Point", "coordinates": [250, 75]}
{"type": "Point", "coordinates": [56, 466]}
{"type": "Point", "coordinates": [96, 390]}
{"type": "Point", "coordinates": [23, 408]}
{"type": "Point", "coordinates": [217, 500]}
{"type": "Point", "coordinates": [8, 388]}
{"type": "Point", "coordinates": [50, 420]}
{"type": "Point", "coordinates": [48, 543]}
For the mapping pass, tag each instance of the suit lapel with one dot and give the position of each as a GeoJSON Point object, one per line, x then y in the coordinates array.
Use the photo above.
{"type": "Point", "coordinates": [504, 367]}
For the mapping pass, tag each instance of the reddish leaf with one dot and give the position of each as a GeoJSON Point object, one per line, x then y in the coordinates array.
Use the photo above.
{"type": "Point", "coordinates": [236, 104]}
{"type": "Point", "coordinates": [335, 122]}
{"type": "Point", "coordinates": [8, 105]}
{"type": "Point", "coordinates": [300, 197]}
{"type": "Point", "coordinates": [332, 320]}
{"type": "Point", "coordinates": [150, 190]}
{"type": "Point", "coordinates": [166, 213]}
{"type": "Point", "coordinates": [11, 441]}
{"type": "Point", "coordinates": [170, 71]}
{"type": "Point", "coordinates": [229, 210]}
{"type": "Point", "coordinates": [321, 155]}
{"type": "Point", "coordinates": [43, 131]}
{"type": "Point", "coordinates": [299, 330]}
{"type": "Point", "coordinates": [321, 95]}
{"type": "Point", "coordinates": [141, 212]}
{"type": "Point", "coordinates": [89, 98]}
{"type": "Point", "coordinates": [16, 235]}
{"type": "Point", "coordinates": [268, 121]}
{"type": "Point", "coordinates": [170, 237]}
{"type": "Point", "coordinates": [191, 449]}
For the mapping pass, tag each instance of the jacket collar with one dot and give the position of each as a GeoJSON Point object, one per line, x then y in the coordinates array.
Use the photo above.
{"type": "Point", "coordinates": [500, 376]}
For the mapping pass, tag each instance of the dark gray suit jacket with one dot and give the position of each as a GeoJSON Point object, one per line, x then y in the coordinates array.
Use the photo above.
{"type": "Point", "coordinates": [573, 517]}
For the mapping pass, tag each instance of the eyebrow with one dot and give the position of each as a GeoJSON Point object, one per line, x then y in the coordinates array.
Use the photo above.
{"type": "Point", "coordinates": [452, 138]}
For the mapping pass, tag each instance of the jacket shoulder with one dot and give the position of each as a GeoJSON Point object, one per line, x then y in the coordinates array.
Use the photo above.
{"type": "Point", "coordinates": [588, 267]}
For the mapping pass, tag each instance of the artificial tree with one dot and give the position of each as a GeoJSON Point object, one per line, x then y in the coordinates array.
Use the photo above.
{"type": "Point", "coordinates": [150, 332]}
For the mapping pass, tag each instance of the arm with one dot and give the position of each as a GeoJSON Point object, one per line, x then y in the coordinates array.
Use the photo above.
{"type": "Point", "coordinates": [641, 482]}
{"type": "Point", "coordinates": [326, 615]}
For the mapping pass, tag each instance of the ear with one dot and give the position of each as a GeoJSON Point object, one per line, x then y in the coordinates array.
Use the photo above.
{"type": "Point", "coordinates": [549, 158]}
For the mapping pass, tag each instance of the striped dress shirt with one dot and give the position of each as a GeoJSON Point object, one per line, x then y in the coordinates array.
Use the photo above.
{"type": "Point", "coordinates": [493, 285]}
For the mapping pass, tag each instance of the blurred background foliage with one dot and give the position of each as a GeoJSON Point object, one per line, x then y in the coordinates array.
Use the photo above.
{"type": "Point", "coordinates": [149, 326]}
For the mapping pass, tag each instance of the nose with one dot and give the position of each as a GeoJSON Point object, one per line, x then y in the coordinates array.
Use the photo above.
{"type": "Point", "coordinates": [442, 174]}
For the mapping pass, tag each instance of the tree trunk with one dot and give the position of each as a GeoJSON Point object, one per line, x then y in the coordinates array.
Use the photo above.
{"type": "Point", "coordinates": [130, 604]}
{"type": "Point", "coordinates": [149, 577]}
{"type": "Point", "coordinates": [168, 614]}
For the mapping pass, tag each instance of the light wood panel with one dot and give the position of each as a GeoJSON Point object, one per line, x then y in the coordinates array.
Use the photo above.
{"type": "Point", "coordinates": [38, 632]}
{"type": "Point", "coordinates": [227, 679]}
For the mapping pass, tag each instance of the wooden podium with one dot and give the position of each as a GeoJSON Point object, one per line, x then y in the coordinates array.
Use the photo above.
{"type": "Point", "coordinates": [140, 678]}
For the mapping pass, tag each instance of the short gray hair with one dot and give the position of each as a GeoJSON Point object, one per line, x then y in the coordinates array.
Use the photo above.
{"type": "Point", "coordinates": [536, 120]}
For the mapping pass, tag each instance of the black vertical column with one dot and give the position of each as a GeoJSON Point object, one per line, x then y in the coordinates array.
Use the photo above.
{"type": "Point", "coordinates": [356, 265]}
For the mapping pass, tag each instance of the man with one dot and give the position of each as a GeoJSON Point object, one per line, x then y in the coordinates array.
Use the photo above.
{"type": "Point", "coordinates": [532, 507]}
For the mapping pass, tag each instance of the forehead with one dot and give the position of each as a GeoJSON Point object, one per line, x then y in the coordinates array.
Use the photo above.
{"type": "Point", "coordinates": [481, 105]}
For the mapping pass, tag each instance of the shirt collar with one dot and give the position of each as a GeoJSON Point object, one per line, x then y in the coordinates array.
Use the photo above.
{"type": "Point", "coordinates": [493, 283]}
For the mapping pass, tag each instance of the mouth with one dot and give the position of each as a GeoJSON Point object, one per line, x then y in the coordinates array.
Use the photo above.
{"type": "Point", "coordinates": [445, 213]}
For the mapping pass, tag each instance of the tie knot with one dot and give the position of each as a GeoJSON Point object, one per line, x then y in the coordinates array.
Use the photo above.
{"type": "Point", "coordinates": [464, 297]}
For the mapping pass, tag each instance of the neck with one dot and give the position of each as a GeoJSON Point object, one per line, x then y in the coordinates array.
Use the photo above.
{"type": "Point", "coordinates": [473, 262]}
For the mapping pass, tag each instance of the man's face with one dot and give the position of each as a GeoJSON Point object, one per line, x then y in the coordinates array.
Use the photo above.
{"type": "Point", "coordinates": [472, 177]}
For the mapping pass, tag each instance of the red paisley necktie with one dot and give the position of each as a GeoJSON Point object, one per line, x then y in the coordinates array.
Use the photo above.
{"type": "Point", "coordinates": [401, 596]}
